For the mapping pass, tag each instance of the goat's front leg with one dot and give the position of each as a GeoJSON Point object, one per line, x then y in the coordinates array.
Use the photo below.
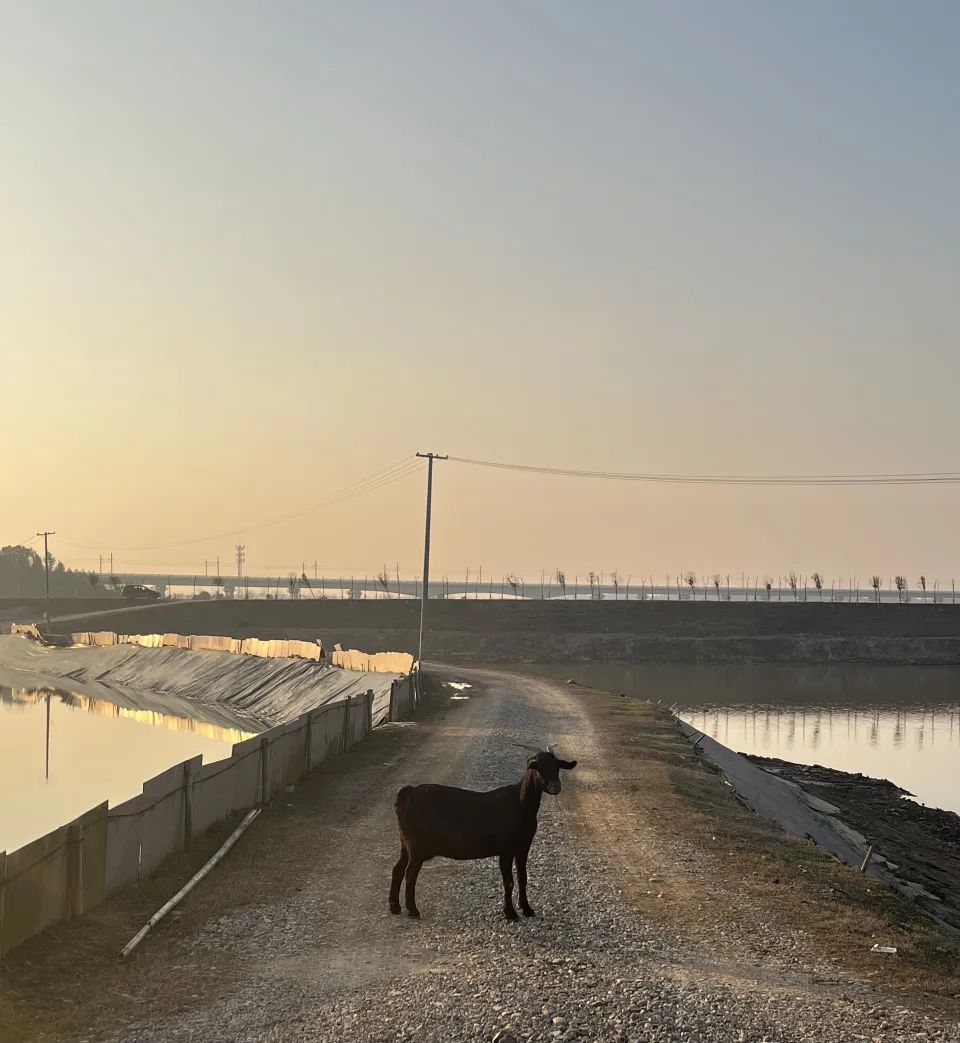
{"type": "Point", "coordinates": [506, 870]}
{"type": "Point", "coordinates": [413, 871]}
{"type": "Point", "coordinates": [396, 879]}
{"type": "Point", "coordinates": [522, 882]}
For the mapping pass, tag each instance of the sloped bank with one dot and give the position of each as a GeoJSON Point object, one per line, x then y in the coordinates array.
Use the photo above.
{"type": "Point", "coordinates": [917, 843]}
{"type": "Point", "coordinates": [537, 631]}
{"type": "Point", "coordinates": [264, 690]}
{"type": "Point", "coordinates": [913, 850]}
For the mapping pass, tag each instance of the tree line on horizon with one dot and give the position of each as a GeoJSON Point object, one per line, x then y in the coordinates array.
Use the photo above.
{"type": "Point", "coordinates": [22, 574]}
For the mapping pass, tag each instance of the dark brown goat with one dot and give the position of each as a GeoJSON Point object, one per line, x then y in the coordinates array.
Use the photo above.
{"type": "Point", "coordinates": [464, 824]}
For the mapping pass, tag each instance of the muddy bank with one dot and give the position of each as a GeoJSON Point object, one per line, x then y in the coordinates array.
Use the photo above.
{"type": "Point", "coordinates": [921, 845]}
{"type": "Point", "coordinates": [572, 631]}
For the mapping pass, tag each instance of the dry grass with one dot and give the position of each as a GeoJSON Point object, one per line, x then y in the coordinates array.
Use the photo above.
{"type": "Point", "coordinates": [717, 865]}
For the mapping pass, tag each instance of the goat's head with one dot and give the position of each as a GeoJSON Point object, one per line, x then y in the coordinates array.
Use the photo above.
{"type": "Point", "coordinates": [546, 766]}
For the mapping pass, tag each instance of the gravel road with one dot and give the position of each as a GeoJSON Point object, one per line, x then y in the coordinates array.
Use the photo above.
{"type": "Point", "coordinates": [333, 964]}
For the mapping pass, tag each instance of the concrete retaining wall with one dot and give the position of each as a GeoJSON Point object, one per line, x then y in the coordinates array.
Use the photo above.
{"type": "Point", "coordinates": [73, 868]}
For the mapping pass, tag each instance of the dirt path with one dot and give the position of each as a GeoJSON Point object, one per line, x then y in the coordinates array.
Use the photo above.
{"type": "Point", "coordinates": [311, 953]}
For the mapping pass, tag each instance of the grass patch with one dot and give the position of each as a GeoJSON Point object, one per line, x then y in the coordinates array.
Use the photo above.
{"type": "Point", "coordinates": [768, 876]}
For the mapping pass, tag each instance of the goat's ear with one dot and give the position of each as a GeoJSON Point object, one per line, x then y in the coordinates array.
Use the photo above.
{"type": "Point", "coordinates": [567, 764]}
{"type": "Point", "coordinates": [532, 763]}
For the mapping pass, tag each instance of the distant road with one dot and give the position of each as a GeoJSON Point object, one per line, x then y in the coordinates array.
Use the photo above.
{"type": "Point", "coordinates": [138, 606]}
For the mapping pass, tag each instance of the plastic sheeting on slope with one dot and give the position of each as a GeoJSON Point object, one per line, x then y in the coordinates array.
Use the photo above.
{"type": "Point", "coordinates": [272, 691]}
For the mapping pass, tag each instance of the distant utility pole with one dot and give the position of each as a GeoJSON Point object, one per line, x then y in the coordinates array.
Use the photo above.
{"type": "Point", "coordinates": [429, 457]}
{"type": "Point", "coordinates": [241, 558]}
{"type": "Point", "coordinates": [46, 575]}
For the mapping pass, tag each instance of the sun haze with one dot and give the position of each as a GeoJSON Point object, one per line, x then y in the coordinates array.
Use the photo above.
{"type": "Point", "coordinates": [255, 253]}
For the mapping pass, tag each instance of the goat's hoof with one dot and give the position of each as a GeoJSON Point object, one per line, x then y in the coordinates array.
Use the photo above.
{"type": "Point", "coordinates": [529, 912]}
{"type": "Point", "coordinates": [511, 914]}
{"type": "Point", "coordinates": [395, 908]}
{"type": "Point", "coordinates": [414, 914]}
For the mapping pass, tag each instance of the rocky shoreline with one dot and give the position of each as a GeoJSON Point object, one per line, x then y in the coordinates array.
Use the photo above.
{"type": "Point", "coordinates": [920, 845]}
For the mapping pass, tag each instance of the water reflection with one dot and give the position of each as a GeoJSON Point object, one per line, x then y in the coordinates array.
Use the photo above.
{"type": "Point", "coordinates": [105, 708]}
{"type": "Point", "coordinates": [917, 749]}
{"type": "Point", "coordinates": [63, 752]}
{"type": "Point", "coordinates": [898, 723]}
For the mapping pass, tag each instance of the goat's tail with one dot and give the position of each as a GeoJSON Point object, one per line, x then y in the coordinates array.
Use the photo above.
{"type": "Point", "coordinates": [403, 796]}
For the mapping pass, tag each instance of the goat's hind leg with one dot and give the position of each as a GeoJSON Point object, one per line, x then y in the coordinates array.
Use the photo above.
{"type": "Point", "coordinates": [398, 870]}
{"type": "Point", "coordinates": [506, 870]}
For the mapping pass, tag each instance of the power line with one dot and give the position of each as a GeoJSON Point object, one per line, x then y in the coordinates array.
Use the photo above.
{"type": "Point", "coordinates": [395, 472]}
{"type": "Point", "coordinates": [24, 542]}
{"type": "Point", "coordinates": [905, 478]}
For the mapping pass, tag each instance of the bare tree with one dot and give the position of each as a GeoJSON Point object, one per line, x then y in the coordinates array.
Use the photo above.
{"type": "Point", "coordinates": [768, 586]}
{"type": "Point", "coordinates": [592, 577]}
{"type": "Point", "coordinates": [562, 583]}
{"type": "Point", "coordinates": [514, 583]}
{"type": "Point", "coordinates": [901, 582]}
{"type": "Point", "coordinates": [923, 586]}
{"type": "Point", "coordinates": [690, 579]}
{"type": "Point", "coordinates": [383, 581]}
{"type": "Point", "coordinates": [875, 583]}
{"type": "Point", "coordinates": [616, 586]}
{"type": "Point", "coordinates": [93, 579]}
{"type": "Point", "coordinates": [818, 583]}
{"type": "Point", "coordinates": [793, 582]}
{"type": "Point", "coordinates": [716, 584]}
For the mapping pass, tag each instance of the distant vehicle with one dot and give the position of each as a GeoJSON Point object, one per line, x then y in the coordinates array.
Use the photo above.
{"type": "Point", "coordinates": [138, 592]}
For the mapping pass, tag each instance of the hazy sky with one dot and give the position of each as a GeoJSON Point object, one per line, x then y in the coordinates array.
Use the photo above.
{"type": "Point", "coordinates": [252, 252]}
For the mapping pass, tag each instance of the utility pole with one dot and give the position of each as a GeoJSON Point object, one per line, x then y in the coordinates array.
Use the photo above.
{"type": "Point", "coordinates": [429, 457]}
{"type": "Point", "coordinates": [46, 575]}
{"type": "Point", "coordinates": [241, 558]}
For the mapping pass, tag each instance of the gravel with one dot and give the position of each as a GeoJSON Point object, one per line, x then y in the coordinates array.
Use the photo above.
{"type": "Point", "coordinates": [334, 965]}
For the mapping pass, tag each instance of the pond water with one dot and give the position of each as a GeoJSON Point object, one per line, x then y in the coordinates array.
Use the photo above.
{"type": "Point", "coordinates": [62, 753]}
{"type": "Point", "coordinates": [890, 722]}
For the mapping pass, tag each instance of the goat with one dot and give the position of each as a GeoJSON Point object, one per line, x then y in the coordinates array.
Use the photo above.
{"type": "Point", "coordinates": [465, 824]}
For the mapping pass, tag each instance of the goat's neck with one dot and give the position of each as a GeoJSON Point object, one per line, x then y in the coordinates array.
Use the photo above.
{"type": "Point", "coordinates": [530, 793]}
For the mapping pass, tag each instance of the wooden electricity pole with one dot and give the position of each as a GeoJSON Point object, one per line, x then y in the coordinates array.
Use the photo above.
{"type": "Point", "coordinates": [429, 457]}
{"type": "Point", "coordinates": [46, 575]}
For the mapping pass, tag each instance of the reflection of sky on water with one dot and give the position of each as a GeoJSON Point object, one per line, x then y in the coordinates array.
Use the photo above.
{"type": "Point", "coordinates": [97, 751]}
{"type": "Point", "coordinates": [894, 722]}
{"type": "Point", "coordinates": [918, 750]}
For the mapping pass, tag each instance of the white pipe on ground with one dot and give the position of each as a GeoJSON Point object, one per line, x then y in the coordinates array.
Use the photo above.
{"type": "Point", "coordinates": [189, 885]}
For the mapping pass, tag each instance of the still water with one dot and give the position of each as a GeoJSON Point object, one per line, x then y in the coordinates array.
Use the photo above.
{"type": "Point", "coordinates": [63, 753]}
{"type": "Point", "coordinates": [892, 722]}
